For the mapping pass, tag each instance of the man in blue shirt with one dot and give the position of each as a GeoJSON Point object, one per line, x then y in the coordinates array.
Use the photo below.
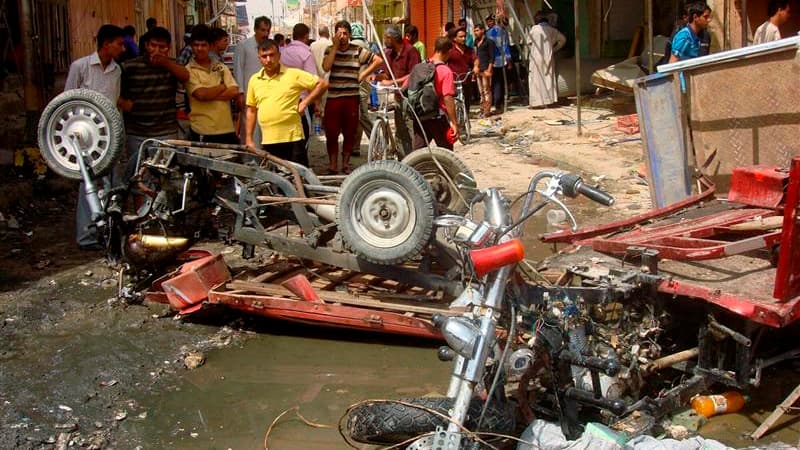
{"type": "Point", "coordinates": [686, 43]}
{"type": "Point", "coordinates": [502, 58]}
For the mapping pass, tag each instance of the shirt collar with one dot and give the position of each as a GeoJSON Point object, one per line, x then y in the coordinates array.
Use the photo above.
{"type": "Point", "coordinates": [263, 74]}
{"type": "Point", "coordinates": [212, 68]}
{"type": "Point", "coordinates": [94, 59]}
{"type": "Point", "coordinates": [296, 43]}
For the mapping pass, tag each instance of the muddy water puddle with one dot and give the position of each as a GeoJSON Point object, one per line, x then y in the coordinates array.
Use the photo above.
{"type": "Point", "coordinates": [231, 400]}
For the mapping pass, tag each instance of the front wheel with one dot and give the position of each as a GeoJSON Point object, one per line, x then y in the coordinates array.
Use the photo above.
{"type": "Point", "coordinates": [462, 119]}
{"type": "Point", "coordinates": [389, 422]}
{"type": "Point", "coordinates": [381, 143]}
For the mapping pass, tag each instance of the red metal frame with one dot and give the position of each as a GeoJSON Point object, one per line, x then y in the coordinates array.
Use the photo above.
{"type": "Point", "coordinates": [572, 237]}
{"type": "Point", "coordinates": [787, 278]}
{"type": "Point", "coordinates": [695, 239]}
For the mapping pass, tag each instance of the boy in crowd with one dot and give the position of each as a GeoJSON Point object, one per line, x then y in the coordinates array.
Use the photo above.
{"type": "Point", "coordinates": [210, 87]}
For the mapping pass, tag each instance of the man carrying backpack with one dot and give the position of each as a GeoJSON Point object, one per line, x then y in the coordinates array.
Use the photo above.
{"type": "Point", "coordinates": [431, 93]}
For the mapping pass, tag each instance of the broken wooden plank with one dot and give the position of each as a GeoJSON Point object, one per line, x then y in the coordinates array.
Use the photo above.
{"type": "Point", "coordinates": [779, 411]}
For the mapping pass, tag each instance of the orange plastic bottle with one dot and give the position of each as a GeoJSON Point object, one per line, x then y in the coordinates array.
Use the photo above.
{"type": "Point", "coordinates": [710, 405]}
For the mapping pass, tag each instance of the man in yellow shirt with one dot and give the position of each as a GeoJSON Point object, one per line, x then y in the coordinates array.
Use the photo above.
{"type": "Point", "coordinates": [273, 97]}
{"type": "Point", "coordinates": [211, 88]}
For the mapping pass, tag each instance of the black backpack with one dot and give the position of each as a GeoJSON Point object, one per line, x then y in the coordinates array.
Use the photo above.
{"type": "Point", "coordinates": [421, 94]}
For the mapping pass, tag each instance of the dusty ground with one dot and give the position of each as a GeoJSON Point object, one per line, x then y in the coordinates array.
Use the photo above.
{"type": "Point", "coordinates": [80, 368]}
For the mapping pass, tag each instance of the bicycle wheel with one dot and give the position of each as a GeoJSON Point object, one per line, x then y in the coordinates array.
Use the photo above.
{"type": "Point", "coordinates": [379, 140]}
{"type": "Point", "coordinates": [462, 119]}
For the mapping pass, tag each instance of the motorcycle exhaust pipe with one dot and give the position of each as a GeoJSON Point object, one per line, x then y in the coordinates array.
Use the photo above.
{"type": "Point", "coordinates": [148, 249]}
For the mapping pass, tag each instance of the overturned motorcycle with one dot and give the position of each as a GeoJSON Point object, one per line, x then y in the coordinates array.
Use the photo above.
{"type": "Point", "coordinates": [623, 337]}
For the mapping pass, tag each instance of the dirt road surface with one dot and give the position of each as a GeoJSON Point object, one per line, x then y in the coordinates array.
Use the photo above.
{"type": "Point", "coordinates": [81, 369]}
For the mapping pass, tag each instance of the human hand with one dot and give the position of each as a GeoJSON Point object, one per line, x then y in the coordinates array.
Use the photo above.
{"type": "Point", "coordinates": [159, 60]}
{"type": "Point", "coordinates": [249, 143]}
{"type": "Point", "coordinates": [386, 83]}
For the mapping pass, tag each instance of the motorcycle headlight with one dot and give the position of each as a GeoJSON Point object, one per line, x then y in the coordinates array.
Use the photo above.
{"type": "Point", "coordinates": [461, 335]}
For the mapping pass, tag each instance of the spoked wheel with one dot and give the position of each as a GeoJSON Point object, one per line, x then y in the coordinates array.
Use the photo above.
{"type": "Point", "coordinates": [381, 142]}
{"type": "Point", "coordinates": [449, 198]}
{"type": "Point", "coordinates": [80, 121]}
{"type": "Point", "coordinates": [462, 119]}
{"type": "Point", "coordinates": [385, 212]}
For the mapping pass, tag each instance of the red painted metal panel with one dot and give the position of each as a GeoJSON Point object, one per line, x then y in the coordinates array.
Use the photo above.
{"type": "Point", "coordinates": [787, 277]}
{"type": "Point", "coordinates": [758, 186]}
{"type": "Point", "coordinates": [331, 315]}
{"type": "Point", "coordinates": [772, 314]}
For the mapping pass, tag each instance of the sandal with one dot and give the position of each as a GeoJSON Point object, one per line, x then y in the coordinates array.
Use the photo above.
{"type": "Point", "coordinates": [346, 170]}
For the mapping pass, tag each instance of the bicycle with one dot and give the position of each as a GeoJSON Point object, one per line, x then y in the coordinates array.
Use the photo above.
{"type": "Point", "coordinates": [382, 144]}
{"type": "Point", "coordinates": [462, 113]}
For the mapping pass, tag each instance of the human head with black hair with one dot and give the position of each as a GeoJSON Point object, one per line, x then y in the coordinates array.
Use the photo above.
{"type": "Point", "coordinates": [442, 47]}
{"type": "Point", "coordinates": [462, 22]}
{"type": "Point", "coordinates": [269, 54]}
{"type": "Point", "coordinates": [301, 32]}
{"type": "Point", "coordinates": [201, 42]}
{"type": "Point", "coordinates": [342, 32]}
{"type": "Point", "coordinates": [219, 40]}
{"type": "Point", "coordinates": [392, 37]}
{"type": "Point", "coordinates": [157, 41]}
{"type": "Point", "coordinates": [490, 21]}
{"type": "Point", "coordinates": [541, 16]}
{"type": "Point", "coordinates": [479, 30]}
{"type": "Point", "coordinates": [412, 33]}
{"type": "Point", "coordinates": [129, 31]}
{"type": "Point", "coordinates": [448, 26]}
{"type": "Point", "coordinates": [458, 36]}
{"type": "Point", "coordinates": [279, 39]}
{"type": "Point", "coordinates": [110, 41]}
{"type": "Point", "coordinates": [262, 27]}
{"type": "Point", "coordinates": [150, 23]}
{"type": "Point", "coordinates": [698, 15]}
{"type": "Point", "coordinates": [779, 11]}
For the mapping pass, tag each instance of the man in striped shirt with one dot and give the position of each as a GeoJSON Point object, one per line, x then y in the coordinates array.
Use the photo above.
{"type": "Point", "coordinates": [149, 83]}
{"type": "Point", "coordinates": [345, 61]}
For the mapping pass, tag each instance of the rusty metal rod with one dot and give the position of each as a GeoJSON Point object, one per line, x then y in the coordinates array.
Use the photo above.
{"type": "Point", "coordinates": [297, 180]}
{"type": "Point", "coordinates": [671, 360]}
{"type": "Point", "coordinates": [307, 200]}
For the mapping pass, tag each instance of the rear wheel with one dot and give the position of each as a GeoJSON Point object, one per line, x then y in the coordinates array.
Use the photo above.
{"type": "Point", "coordinates": [391, 423]}
{"type": "Point", "coordinates": [449, 198]}
{"type": "Point", "coordinates": [80, 121]}
{"type": "Point", "coordinates": [385, 212]}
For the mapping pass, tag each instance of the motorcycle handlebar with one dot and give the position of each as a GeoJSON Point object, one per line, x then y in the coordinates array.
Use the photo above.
{"type": "Point", "coordinates": [572, 185]}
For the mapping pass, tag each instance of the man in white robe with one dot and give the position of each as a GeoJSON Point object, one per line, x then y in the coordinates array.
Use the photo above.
{"type": "Point", "coordinates": [544, 41]}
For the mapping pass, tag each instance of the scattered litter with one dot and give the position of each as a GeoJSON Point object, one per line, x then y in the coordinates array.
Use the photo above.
{"type": "Point", "coordinates": [194, 360]}
{"type": "Point", "coordinates": [108, 283]}
{"type": "Point", "coordinates": [142, 416]}
{"type": "Point", "coordinates": [120, 415]}
{"type": "Point", "coordinates": [98, 425]}
{"type": "Point", "coordinates": [194, 435]}
{"type": "Point", "coordinates": [52, 282]}
{"type": "Point", "coordinates": [108, 383]}
{"type": "Point", "coordinates": [69, 427]}
{"type": "Point", "coordinates": [88, 273]}
{"type": "Point", "coordinates": [42, 264]}
{"type": "Point", "coordinates": [65, 408]}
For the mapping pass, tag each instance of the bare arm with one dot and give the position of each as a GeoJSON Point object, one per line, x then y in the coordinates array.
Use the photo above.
{"type": "Point", "coordinates": [180, 72]}
{"type": "Point", "coordinates": [322, 86]}
{"type": "Point", "coordinates": [228, 94]}
{"type": "Point", "coordinates": [250, 126]}
{"type": "Point", "coordinates": [377, 61]}
{"type": "Point", "coordinates": [450, 110]}
{"type": "Point", "coordinates": [207, 94]}
{"type": "Point", "coordinates": [327, 62]}
{"type": "Point", "coordinates": [673, 58]}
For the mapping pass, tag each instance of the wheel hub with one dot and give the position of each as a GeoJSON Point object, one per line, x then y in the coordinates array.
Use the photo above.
{"type": "Point", "coordinates": [383, 215]}
{"type": "Point", "coordinates": [77, 124]}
